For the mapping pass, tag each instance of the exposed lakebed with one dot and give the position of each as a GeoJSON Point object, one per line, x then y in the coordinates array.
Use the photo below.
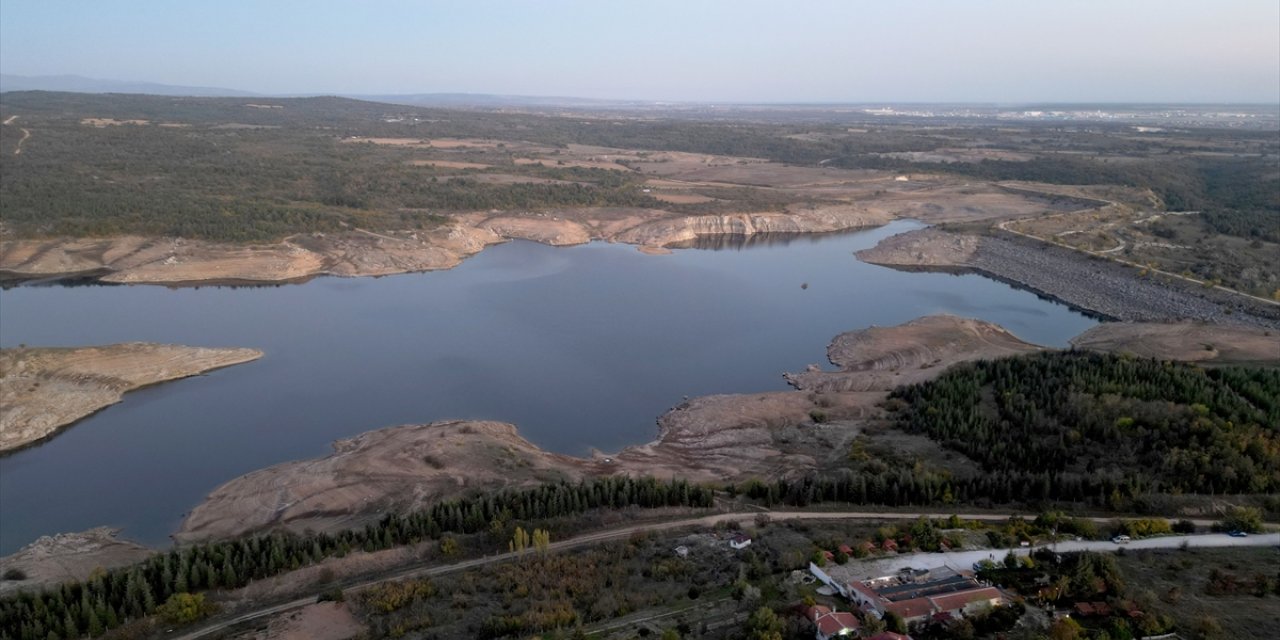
{"type": "Point", "coordinates": [581, 347]}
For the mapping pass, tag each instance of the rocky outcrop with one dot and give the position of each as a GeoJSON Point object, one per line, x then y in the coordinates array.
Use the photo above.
{"type": "Point", "coordinates": [803, 219]}
{"type": "Point", "coordinates": [44, 389]}
{"type": "Point", "coordinates": [52, 560]}
{"type": "Point", "coordinates": [393, 469]}
{"type": "Point", "coordinates": [881, 358]}
{"type": "Point", "coordinates": [134, 260]}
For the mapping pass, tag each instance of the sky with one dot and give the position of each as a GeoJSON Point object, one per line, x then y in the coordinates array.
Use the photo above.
{"type": "Point", "coordinates": [1003, 51]}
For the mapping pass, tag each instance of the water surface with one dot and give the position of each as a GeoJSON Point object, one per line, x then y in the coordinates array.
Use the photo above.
{"type": "Point", "coordinates": [581, 347]}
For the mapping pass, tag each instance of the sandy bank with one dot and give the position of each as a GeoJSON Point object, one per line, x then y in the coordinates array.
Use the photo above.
{"type": "Point", "coordinates": [722, 437]}
{"type": "Point", "coordinates": [52, 560]}
{"type": "Point", "coordinates": [44, 389]}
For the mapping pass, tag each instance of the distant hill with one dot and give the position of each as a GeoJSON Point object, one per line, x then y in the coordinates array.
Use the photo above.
{"type": "Point", "coordinates": [493, 100]}
{"type": "Point", "coordinates": [80, 84]}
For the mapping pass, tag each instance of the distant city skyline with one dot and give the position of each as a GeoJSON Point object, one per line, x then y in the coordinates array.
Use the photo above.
{"type": "Point", "coordinates": [927, 51]}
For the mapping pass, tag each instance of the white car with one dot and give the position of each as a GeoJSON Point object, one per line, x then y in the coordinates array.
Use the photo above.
{"type": "Point", "coordinates": [1121, 539]}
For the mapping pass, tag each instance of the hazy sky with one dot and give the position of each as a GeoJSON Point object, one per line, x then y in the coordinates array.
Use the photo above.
{"type": "Point", "coordinates": [738, 50]}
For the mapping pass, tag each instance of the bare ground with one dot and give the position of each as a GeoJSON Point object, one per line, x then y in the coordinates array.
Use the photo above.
{"type": "Point", "coordinates": [1187, 341]}
{"type": "Point", "coordinates": [713, 438]}
{"type": "Point", "coordinates": [319, 621]}
{"type": "Point", "coordinates": [45, 389]}
{"type": "Point", "coordinates": [52, 560]}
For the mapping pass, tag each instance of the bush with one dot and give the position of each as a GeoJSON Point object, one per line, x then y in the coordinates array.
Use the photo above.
{"type": "Point", "coordinates": [331, 595]}
{"type": "Point", "coordinates": [15, 574]}
{"type": "Point", "coordinates": [182, 608]}
{"type": "Point", "coordinates": [1244, 519]}
{"type": "Point", "coordinates": [818, 416]}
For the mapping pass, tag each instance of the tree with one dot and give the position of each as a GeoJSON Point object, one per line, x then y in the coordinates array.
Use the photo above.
{"type": "Point", "coordinates": [449, 546]}
{"type": "Point", "coordinates": [1011, 560]}
{"type": "Point", "coordinates": [1065, 629]}
{"type": "Point", "coordinates": [764, 624]}
{"type": "Point", "coordinates": [1245, 519]}
{"type": "Point", "coordinates": [894, 622]}
{"type": "Point", "coordinates": [541, 540]}
{"type": "Point", "coordinates": [182, 608]}
{"type": "Point", "coordinates": [519, 541]}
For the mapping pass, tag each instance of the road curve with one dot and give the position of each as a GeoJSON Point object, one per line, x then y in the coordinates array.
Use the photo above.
{"type": "Point", "coordinates": [959, 559]}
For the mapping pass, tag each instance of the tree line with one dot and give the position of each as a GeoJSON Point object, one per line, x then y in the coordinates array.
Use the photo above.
{"type": "Point", "coordinates": [111, 598]}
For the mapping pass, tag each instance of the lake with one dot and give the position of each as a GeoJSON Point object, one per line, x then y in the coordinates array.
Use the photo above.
{"type": "Point", "coordinates": [582, 347]}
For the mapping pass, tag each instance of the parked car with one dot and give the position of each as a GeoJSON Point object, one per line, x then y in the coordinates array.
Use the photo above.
{"type": "Point", "coordinates": [1121, 539]}
{"type": "Point", "coordinates": [1238, 534]}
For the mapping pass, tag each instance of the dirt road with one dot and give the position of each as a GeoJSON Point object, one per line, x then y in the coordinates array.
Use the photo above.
{"type": "Point", "coordinates": [623, 533]}
{"type": "Point", "coordinates": [25, 134]}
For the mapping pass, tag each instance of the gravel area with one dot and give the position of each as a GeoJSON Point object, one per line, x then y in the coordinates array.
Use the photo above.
{"type": "Point", "coordinates": [1113, 290]}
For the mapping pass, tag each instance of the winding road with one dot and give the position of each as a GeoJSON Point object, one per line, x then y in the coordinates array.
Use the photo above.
{"type": "Point", "coordinates": [25, 134]}
{"type": "Point", "coordinates": [921, 560]}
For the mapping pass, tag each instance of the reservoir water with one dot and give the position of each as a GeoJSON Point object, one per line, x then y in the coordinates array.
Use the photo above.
{"type": "Point", "coordinates": [581, 347]}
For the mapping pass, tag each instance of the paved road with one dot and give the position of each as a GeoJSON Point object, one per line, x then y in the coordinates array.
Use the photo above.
{"type": "Point", "coordinates": [914, 560]}
{"type": "Point", "coordinates": [966, 559]}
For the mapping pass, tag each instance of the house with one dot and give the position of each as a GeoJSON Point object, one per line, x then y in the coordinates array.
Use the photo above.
{"type": "Point", "coordinates": [912, 611]}
{"type": "Point", "coordinates": [682, 551]}
{"type": "Point", "coordinates": [915, 595]}
{"type": "Point", "coordinates": [831, 624]}
{"type": "Point", "coordinates": [889, 635]}
{"type": "Point", "coordinates": [739, 541]}
{"type": "Point", "coordinates": [967, 602]}
{"type": "Point", "coordinates": [846, 549]}
{"type": "Point", "coordinates": [828, 555]}
{"type": "Point", "coordinates": [889, 545]}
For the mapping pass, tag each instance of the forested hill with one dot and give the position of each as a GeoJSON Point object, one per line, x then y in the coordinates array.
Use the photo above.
{"type": "Point", "coordinates": [1161, 426]}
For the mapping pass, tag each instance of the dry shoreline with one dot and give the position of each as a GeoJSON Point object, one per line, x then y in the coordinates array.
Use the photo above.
{"type": "Point", "coordinates": [821, 203]}
{"type": "Point", "coordinates": [177, 262]}
{"type": "Point", "coordinates": [47, 389]}
{"type": "Point", "coordinates": [705, 439]}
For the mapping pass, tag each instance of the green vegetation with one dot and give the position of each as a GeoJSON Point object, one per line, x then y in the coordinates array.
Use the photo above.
{"type": "Point", "coordinates": [111, 598]}
{"type": "Point", "coordinates": [1075, 418]}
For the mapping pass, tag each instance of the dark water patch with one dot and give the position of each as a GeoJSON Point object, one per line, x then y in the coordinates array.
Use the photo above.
{"type": "Point", "coordinates": [581, 347]}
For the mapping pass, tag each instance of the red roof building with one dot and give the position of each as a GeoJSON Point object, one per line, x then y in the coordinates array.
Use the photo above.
{"type": "Point", "coordinates": [912, 610]}
{"type": "Point", "coordinates": [831, 624]}
{"type": "Point", "coordinates": [889, 635]}
{"type": "Point", "coordinates": [966, 601]}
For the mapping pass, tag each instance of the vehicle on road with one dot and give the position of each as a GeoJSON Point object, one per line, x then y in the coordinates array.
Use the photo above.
{"type": "Point", "coordinates": [1238, 534]}
{"type": "Point", "coordinates": [1121, 539]}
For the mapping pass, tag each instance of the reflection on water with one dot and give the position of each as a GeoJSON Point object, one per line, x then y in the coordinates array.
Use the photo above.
{"type": "Point", "coordinates": [738, 241]}
{"type": "Point", "coordinates": [581, 347]}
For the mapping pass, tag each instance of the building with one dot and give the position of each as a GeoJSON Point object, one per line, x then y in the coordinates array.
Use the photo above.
{"type": "Point", "coordinates": [889, 635]}
{"type": "Point", "coordinates": [829, 624]}
{"type": "Point", "coordinates": [739, 542]}
{"type": "Point", "coordinates": [682, 551]}
{"type": "Point", "coordinates": [915, 595]}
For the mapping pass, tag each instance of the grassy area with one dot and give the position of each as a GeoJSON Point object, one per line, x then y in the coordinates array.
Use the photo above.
{"type": "Point", "coordinates": [1189, 587]}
